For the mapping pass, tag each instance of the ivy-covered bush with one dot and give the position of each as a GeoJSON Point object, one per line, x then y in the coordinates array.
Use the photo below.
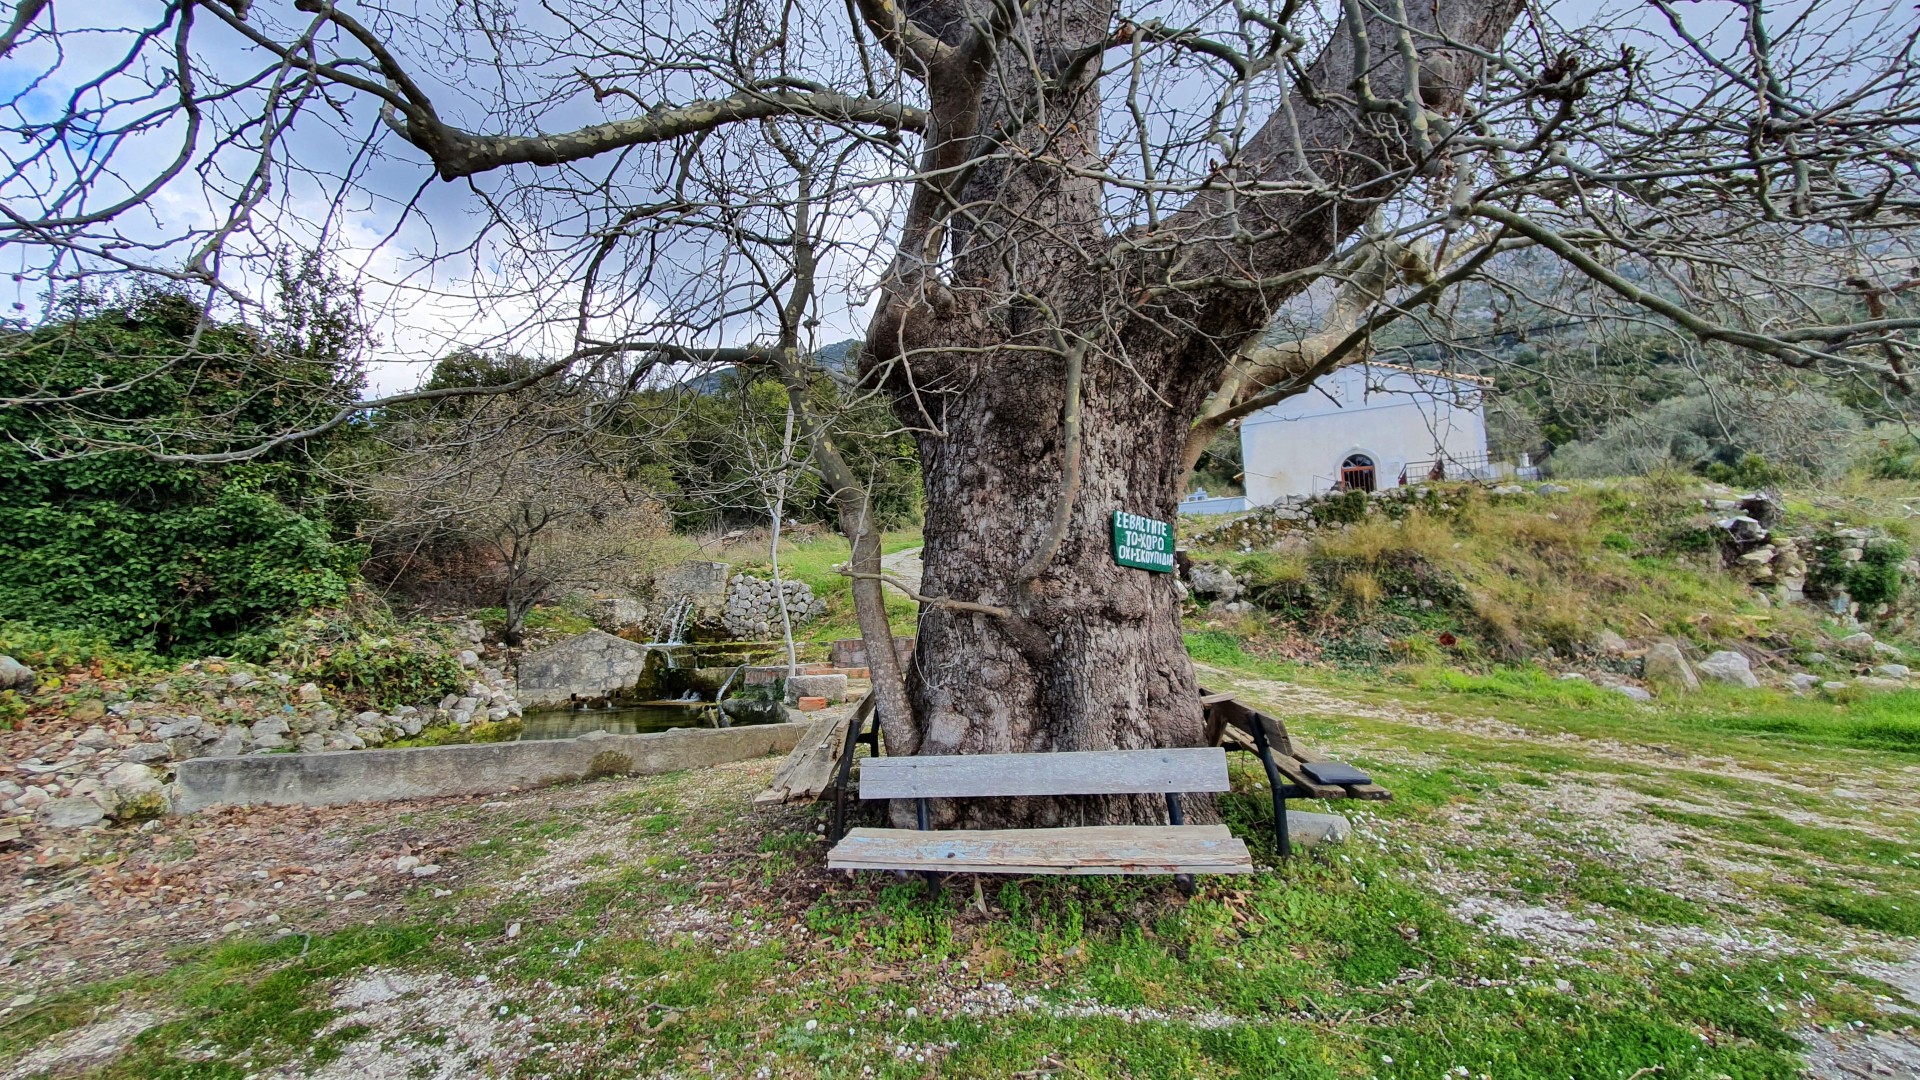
{"type": "Point", "coordinates": [96, 534]}
{"type": "Point", "coordinates": [383, 673]}
{"type": "Point", "coordinates": [1877, 578]}
{"type": "Point", "coordinates": [362, 656]}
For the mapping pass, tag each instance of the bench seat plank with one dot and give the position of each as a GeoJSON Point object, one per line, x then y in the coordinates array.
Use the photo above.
{"type": "Point", "coordinates": [1098, 849]}
{"type": "Point", "coordinates": [1096, 772]}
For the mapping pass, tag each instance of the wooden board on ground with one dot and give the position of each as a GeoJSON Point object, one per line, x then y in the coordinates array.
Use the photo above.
{"type": "Point", "coordinates": [1100, 849]}
{"type": "Point", "coordinates": [1095, 772]}
{"type": "Point", "coordinates": [809, 770]}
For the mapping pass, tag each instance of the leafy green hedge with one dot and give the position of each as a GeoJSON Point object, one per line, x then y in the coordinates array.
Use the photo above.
{"type": "Point", "coordinates": [386, 674]}
{"type": "Point", "coordinates": [98, 535]}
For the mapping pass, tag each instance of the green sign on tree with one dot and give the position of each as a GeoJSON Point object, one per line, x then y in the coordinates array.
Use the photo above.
{"type": "Point", "coordinates": [1142, 543]}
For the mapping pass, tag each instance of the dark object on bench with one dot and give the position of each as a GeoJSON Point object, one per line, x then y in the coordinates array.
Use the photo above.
{"type": "Point", "coordinates": [1175, 848]}
{"type": "Point", "coordinates": [1334, 772]}
{"type": "Point", "coordinates": [1292, 771]}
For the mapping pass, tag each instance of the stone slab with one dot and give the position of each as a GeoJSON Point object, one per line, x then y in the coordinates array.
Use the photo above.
{"type": "Point", "coordinates": [831, 687]}
{"type": "Point", "coordinates": [588, 666]}
{"type": "Point", "coordinates": [425, 772]}
{"type": "Point", "coordinates": [1306, 829]}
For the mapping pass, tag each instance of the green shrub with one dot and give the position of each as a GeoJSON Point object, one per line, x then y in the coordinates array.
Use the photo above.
{"type": "Point", "coordinates": [382, 673]}
{"type": "Point", "coordinates": [1750, 471]}
{"type": "Point", "coordinates": [1894, 459]}
{"type": "Point", "coordinates": [1790, 433]}
{"type": "Point", "coordinates": [12, 710]}
{"type": "Point", "coordinates": [158, 555]}
{"type": "Point", "coordinates": [65, 650]}
{"type": "Point", "coordinates": [1346, 508]}
{"type": "Point", "coordinates": [1876, 578]}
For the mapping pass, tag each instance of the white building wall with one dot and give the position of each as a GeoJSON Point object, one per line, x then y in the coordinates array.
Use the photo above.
{"type": "Point", "coordinates": [1392, 416]}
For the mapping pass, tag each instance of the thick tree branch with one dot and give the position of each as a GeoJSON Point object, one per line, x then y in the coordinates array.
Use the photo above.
{"type": "Point", "coordinates": [457, 153]}
{"type": "Point", "coordinates": [23, 15]}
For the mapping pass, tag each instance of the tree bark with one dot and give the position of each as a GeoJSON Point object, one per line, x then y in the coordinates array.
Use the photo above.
{"type": "Point", "coordinates": [1090, 656]}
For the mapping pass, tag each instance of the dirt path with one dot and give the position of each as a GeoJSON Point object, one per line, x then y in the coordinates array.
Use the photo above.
{"type": "Point", "coordinates": [904, 565]}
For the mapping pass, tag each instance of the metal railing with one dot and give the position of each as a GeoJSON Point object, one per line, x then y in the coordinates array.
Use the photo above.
{"type": "Point", "coordinates": [1477, 468]}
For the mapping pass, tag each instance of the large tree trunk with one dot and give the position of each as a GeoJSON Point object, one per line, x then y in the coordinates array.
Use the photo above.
{"type": "Point", "coordinates": [1028, 647]}
{"type": "Point", "coordinates": [1089, 656]}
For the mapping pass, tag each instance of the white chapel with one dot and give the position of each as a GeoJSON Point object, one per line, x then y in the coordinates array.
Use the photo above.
{"type": "Point", "coordinates": [1369, 426]}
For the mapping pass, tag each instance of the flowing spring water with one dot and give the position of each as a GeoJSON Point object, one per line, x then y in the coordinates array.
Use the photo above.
{"type": "Point", "coordinates": [673, 625]}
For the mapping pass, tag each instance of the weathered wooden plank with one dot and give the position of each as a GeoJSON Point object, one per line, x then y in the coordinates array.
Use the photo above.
{"type": "Point", "coordinates": [1100, 849]}
{"type": "Point", "coordinates": [1241, 716]}
{"type": "Point", "coordinates": [809, 769]}
{"type": "Point", "coordinates": [1212, 720]}
{"type": "Point", "coordinates": [1096, 772]}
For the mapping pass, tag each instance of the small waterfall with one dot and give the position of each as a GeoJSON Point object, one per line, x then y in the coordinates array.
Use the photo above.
{"type": "Point", "coordinates": [673, 625]}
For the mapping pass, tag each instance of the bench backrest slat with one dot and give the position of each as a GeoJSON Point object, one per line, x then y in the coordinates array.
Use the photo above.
{"type": "Point", "coordinates": [1097, 772]}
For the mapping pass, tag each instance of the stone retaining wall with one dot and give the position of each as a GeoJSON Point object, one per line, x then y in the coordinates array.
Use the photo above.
{"type": "Point", "coordinates": [330, 779]}
{"type": "Point", "coordinates": [753, 606]}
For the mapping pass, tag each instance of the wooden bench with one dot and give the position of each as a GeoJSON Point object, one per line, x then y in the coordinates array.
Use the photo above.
{"type": "Point", "coordinates": [1175, 848]}
{"type": "Point", "coordinates": [1293, 772]}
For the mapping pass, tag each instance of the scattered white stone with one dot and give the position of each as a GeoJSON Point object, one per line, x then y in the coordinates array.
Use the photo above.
{"type": "Point", "coordinates": [1729, 667]}
{"type": "Point", "coordinates": [1860, 644]}
{"type": "Point", "coordinates": [73, 812]}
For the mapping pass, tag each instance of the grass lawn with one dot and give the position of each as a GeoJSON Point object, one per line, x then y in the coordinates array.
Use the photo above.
{"type": "Point", "coordinates": [1565, 886]}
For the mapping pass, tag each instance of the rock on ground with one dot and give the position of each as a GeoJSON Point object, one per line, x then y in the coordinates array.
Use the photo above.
{"type": "Point", "coordinates": [1860, 644]}
{"type": "Point", "coordinates": [73, 812]}
{"type": "Point", "coordinates": [135, 791]}
{"type": "Point", "coordinates": [1729, 667]}
{"type": "Point", "coordinates": [1665, 668]}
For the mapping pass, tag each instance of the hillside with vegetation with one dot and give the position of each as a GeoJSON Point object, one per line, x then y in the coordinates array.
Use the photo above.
{"type": "Point", "coordinates": [1651, 739]}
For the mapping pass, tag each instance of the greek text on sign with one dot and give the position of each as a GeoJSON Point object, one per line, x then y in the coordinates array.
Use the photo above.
{"type": "Point", "coordinates": [1142, 543]}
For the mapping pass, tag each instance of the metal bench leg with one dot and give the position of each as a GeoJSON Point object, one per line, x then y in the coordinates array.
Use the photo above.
{"type": "Point", "coordinates": [837, 828]}
{"type": "Point", "coordinates": [921, 819]}
{"type": "Point", "coordinates": [1183, 882]}
{"type": "Point", "coordinates": [1279, 788]}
